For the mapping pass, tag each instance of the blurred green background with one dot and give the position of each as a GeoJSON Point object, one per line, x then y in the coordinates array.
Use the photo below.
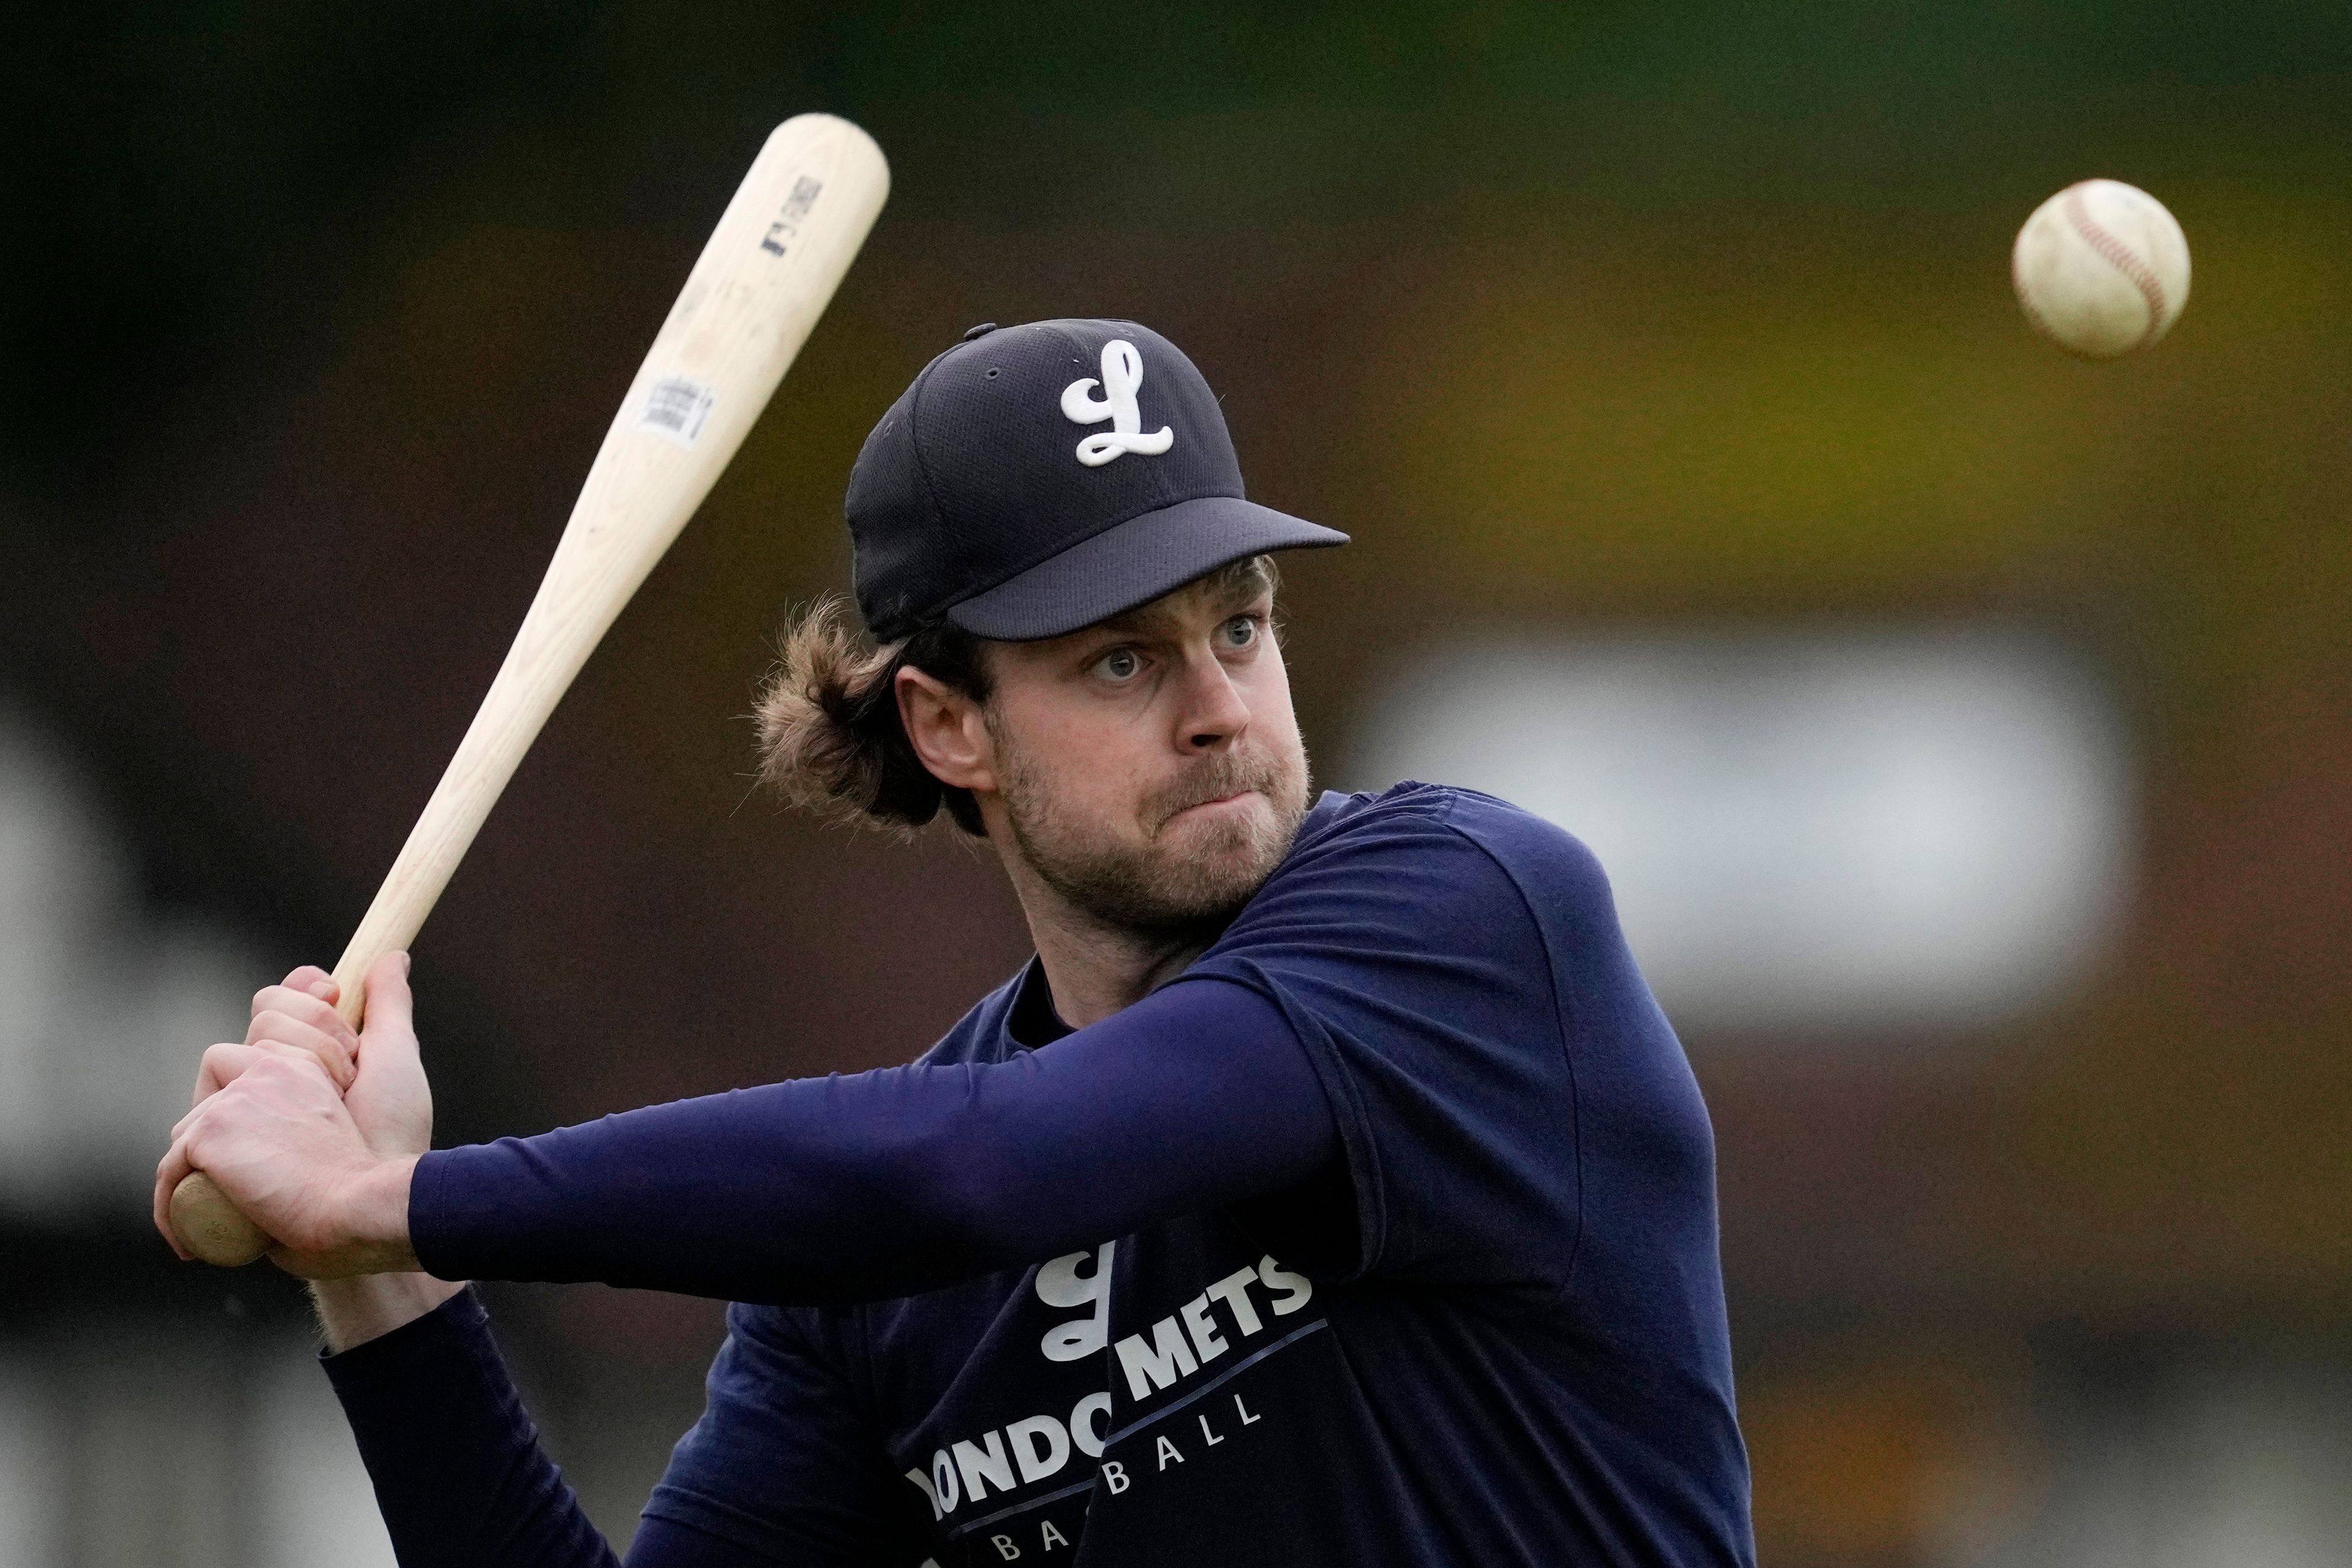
{"type": "Point", "coordinates": [1660, 317]}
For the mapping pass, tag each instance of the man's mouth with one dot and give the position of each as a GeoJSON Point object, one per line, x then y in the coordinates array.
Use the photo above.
{"type": "Point", "coordinates": [1216, 800]}
{"type": "Point", "coordinates": [1211, 804]}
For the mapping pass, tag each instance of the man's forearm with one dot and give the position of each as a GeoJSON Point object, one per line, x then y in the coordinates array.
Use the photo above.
{"type": "Point", "coordinates": [893, 1182]}
{"type": "Point", "coordinates": [458, 1471]}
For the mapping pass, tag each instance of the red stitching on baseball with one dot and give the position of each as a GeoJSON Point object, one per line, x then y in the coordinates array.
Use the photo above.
{"type": "Point", "coordinates": [2120, 256]}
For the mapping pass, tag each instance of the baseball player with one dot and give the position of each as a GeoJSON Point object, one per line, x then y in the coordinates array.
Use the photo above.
{"type": "Point", "coordinates": [1327, 1189]}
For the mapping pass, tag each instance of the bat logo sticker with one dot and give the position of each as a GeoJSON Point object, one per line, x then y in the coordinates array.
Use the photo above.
{"type": "Point", "coordinates": [796, 210]}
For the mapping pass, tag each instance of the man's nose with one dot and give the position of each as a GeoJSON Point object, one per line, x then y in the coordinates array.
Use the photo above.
{"type": "Point", "coordinates": [1214, 713]}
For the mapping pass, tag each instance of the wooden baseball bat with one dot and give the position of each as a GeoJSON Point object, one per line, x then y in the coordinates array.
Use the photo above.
{"type": "Point", "coordinates": [779, 252]}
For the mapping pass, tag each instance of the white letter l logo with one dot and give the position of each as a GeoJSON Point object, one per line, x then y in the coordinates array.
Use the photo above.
{"type": "Point", "coordinates": [1123, 375]}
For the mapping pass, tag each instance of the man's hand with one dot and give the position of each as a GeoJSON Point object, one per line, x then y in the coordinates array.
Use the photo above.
{"type": "Point", "coordinates": [312, 1132]}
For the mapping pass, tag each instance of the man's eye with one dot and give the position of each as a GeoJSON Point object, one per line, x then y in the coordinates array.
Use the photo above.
{"type": "Point", "coordinates": [1120, 664]}
{"type": "Point", "coordinates": [1241, 631]}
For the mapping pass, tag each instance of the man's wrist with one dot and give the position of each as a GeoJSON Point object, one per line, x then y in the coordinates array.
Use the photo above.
{"type": "Point", "coordinates": [353, 1311]}
{"type": "Point", "coordinates": [387, 1289]}
{"type": "Point", "coordinates": [376, 1216]}
{"type": "Point", "coordinates": [367, 1226]}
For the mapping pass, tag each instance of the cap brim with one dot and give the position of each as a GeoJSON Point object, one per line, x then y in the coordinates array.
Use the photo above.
{"type": "Point", "coordinates": [1133, 564]}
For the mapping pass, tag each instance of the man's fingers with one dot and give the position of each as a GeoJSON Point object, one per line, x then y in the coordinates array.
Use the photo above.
{"type": "Point", "coordinates": [220, 1067]}
{"type": "Point", "coordinates": [297, 1002]}
{"type": "Point", "coordinates": [390, 1100]}
{"type": "Point", "coordinates": [262, 1067]}
{"type": "Point", "coordinates": [389, 1008]}
{"type": "Point", "coordinates": [335, 1051]}
{"type": "Point", "coordinates": [313, 980]}
{"type": "Point", "coordinates": [226, 1063]}
{"type": "Point", "coordinates": [289, 1015]}
{"type": "Point", "coordinates": [180, 1129]}
{"type": "Point", "coordinates": [303, 1007]}
{"type": "Point", "coordinates": [169, 1173]}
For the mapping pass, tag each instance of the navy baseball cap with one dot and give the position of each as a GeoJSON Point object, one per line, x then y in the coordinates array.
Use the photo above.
{"type": "Point", "coordinates": [1037, 479]}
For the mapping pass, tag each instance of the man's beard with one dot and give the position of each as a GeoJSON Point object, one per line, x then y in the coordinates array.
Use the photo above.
{"type": "Point", "coordinates": [1155, 891]}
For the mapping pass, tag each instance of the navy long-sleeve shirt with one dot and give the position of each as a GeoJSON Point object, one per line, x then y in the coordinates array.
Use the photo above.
{"type": "Point", "coordinates": [1385, 1234]}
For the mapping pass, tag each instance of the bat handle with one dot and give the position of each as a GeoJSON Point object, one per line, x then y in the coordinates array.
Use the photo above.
{"type": "Point", "coordinates": [209, 1225]}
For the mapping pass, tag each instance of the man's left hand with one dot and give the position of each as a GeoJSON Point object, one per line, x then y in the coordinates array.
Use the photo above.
{"type": "Point", "coordinates": [276, 1134]}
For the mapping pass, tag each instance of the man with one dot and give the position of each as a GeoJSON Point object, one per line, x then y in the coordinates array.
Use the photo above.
{"type": "Point", "coordinates": [1327, 1189]}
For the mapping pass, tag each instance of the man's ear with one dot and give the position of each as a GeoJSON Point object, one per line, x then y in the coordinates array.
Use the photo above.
{"type": "Point", "coordinates": [948, 730]}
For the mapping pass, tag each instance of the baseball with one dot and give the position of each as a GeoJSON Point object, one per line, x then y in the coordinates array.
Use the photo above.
{"type": "Point", "coordinates": [2101, 268]}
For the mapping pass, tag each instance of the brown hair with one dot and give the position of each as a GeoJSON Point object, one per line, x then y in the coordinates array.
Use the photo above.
{"type": "Point", "coordinates": [830, 737]}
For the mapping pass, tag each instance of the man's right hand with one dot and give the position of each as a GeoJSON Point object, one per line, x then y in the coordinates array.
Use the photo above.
{"type": "Point", "coordinates": [298, 1011]}
{"type": "Point", "coordinates": [391, 1101]}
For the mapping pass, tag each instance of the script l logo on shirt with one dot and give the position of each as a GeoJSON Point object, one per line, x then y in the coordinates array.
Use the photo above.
{"type": "Point", "coordinates": [1122, 376]}
{"type": "Point", "coordinates": [1059, 1284]}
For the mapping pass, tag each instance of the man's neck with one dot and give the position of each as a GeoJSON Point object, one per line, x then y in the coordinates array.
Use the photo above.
{"type": "Point", "coordinates": [1095, 970]}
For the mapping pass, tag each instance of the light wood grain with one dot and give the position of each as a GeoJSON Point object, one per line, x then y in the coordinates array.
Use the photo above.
{"type": "Point", "coordinates": [780, 251]}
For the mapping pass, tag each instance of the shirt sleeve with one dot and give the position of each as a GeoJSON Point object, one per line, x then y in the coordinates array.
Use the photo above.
{"type": "Point", "coordinates": [459, 1474]}
{"type": "Point", "coordinates": [886, 1184]}
{"type": "Point", "coordinates": [1408, 956]}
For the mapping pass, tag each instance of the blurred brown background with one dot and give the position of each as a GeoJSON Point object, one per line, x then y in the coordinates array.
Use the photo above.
{"type": "Point", "coordinates": [1616, 322]}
